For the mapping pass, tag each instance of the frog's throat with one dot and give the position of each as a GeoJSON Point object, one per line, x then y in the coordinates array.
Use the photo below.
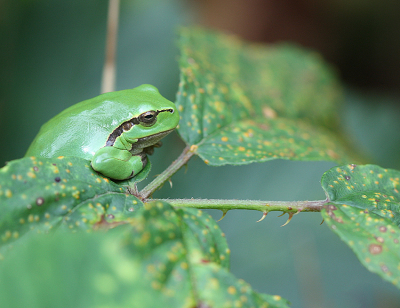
{"type": "Point", "coordinates": [150, 140]}
{"type": "Point", "coordinates": [119, 130]}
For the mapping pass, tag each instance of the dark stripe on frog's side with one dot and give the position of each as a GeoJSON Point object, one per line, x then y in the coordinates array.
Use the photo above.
{"type": "Point", "coordinates": [119, 130]}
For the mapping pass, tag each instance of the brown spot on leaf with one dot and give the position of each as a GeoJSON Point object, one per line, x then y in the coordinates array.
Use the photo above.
{"type": "Point", "coordinates": [264, 126]}
{"type": "Point", "coordinates": [382, 229]}
{"type": "Point", "coordinates": [375, 249]}
{"type": "Point", "coordinates": [384, 268]}
{"type": "Point", "coordinates": [268, 112]}
{"type": "Point", "coordinates": [103, 224]}
{"type": "Point", "coordinates": [338, 219]}
{"type": "Point", "coordinates": [332, 207]}
{"type": "Point", "coordinates": [39, 201]}
{"type": "Point", "coordinates": [329, 209]}
{"type": "Point", "coordinates": [332, 154]}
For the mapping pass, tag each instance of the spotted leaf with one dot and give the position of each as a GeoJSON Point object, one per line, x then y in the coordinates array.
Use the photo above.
{"type": "Point", "coordinates": [363, 209]}
{"type": "Point", "coordinates": [185, 260]}
{"type": "Point", "coordinates": [241, 103]}
{"type": "Point", "coordinates": [41, 194]}
{"type": "Point", "coordinates": [176, 257]}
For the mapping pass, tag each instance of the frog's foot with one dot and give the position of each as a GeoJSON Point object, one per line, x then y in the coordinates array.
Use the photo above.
{"type": "Point", "coordinates": [118, 164]}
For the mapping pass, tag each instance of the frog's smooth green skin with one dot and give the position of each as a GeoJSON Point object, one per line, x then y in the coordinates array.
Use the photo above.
{"type": "Point", "coordinates": [111, 130]}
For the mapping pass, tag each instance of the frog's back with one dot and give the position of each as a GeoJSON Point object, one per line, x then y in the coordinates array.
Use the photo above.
{"type": "Point", "coordinates": [83, 128]}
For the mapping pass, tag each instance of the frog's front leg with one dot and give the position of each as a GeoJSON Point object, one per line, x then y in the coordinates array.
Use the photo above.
{"type": "Point", "coordinates": [118, 164]}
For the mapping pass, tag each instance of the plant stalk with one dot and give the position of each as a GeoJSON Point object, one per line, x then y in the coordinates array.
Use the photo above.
{"type": "Point", "coordinates": [109, 69]}
{"type": "Point", "coordinates": [167, 173]}
{"type": "Point", "coordinates": [263, 206]}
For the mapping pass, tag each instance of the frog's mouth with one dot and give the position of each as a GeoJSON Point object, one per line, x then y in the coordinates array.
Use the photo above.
{"type": "Point", "coordinates": [149, 142]}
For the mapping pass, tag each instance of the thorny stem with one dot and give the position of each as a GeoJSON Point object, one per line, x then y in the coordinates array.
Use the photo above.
{"type": "Point", "coordinates": [290, 207]}
{"type": "Point", "coordinates": [167, 173]}
{"type": "Point", "coordinates": [263, 206]}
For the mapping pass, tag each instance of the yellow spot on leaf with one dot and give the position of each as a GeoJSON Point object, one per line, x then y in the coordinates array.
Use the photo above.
{"type": "Point", "coordinates": [184, 265]}
{"type": "Point", "coordinates": [7, 234]}
{"type": "Point", "coordinates": [8, 193]}
{"type": "Point", "coordinates": [31, 175]}
{"type": "Point", "coordinates": [232, 290]}
{"type": "Point", "coordinates": [76, 194]}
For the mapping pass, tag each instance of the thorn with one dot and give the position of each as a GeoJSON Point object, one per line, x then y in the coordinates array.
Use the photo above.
{"type": "Point", "coordinates": [170, 182]}
{"type": "Point", "coordinates": [282, 214]}
{"type": "Point", "coordinates": [223, 215]}
{"type": "Point", "coordinates": [322, 221]}
{"type": "Point", "coordinates": [263, 216]}
{"type": "Point", "coordinates": [289, 219]}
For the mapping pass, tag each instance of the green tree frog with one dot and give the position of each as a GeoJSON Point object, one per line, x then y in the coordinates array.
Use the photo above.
{"type": "Point", "coordinates": [114, 131]}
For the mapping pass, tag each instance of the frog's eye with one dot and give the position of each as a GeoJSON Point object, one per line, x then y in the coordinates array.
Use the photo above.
{"type": "Point", "coordinates": [148, 118]}
{"type": "Point", "coordinates": [127, 126]}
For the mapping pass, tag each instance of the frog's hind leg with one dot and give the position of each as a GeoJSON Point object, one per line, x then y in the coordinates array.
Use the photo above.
{"type": "Point", "coordinates": [118, 164]}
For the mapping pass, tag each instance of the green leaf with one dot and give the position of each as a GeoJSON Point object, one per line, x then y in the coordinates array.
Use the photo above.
{"type": "Point", "coordinates": [367, 187]}
{"type": "Point", "coordinates": [37, 195]}
{"type": "Point", "coordinates": [363, 210]}
{"type": "Point", "coordinates": [176, 257]}
{"type": "Point", "coordinates": [241, 103]}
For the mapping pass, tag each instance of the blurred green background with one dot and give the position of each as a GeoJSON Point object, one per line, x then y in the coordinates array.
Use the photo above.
{"type": "Point", "coordinates": [52, 55]}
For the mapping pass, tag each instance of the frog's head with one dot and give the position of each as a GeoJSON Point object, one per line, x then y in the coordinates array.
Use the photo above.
{"type": "Point", "coordinates": [154, 117]}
